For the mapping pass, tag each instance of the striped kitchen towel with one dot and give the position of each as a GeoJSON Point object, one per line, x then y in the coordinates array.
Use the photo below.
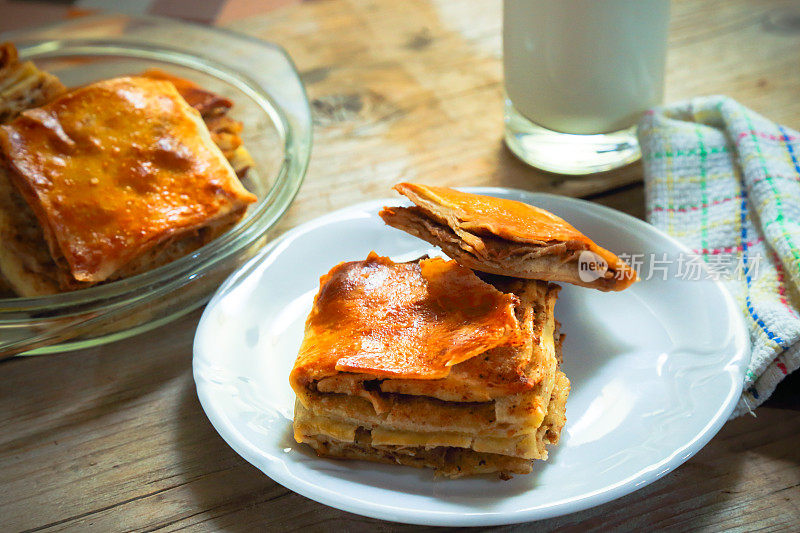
{"type": "Point", "coordinates": [726, 182]}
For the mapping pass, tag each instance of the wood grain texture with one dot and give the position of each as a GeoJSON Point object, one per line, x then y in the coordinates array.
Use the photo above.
{"type": "Point", "coordinates": [114, 438]}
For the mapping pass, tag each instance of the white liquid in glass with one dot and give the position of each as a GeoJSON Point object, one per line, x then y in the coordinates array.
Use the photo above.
{"type": "Point", "coordinates": [584, 66]}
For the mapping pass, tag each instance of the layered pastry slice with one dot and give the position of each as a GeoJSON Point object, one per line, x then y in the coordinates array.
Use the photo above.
{"type": "Point", "coordinates": [106, 181]}
{"type": "Point", "coordinates": [27, 267]}
{"type": "Point", "coordinates": [506, 237]}
{"type": "Point", "coordinates": [22, 85]}
{"type": "Point", "coordinates": [425, 364]}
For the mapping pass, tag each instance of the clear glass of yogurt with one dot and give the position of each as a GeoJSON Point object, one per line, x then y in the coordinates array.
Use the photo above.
{"type": "Point", "coordinates": [578, 75]}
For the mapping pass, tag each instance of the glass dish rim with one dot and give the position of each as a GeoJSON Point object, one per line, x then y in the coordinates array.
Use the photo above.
{"type": "Point", "coordinates": [200, 262]}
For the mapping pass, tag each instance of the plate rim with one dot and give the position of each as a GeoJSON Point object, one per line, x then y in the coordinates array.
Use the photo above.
{"type": "Point", "coordinates": [380, 511]}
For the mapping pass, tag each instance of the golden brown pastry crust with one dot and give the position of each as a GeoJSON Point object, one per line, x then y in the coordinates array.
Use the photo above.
{"type": "Point", "coordinates": [107, 183]}
{"type": "Point", "coordinates": [501, 371]}
{"type": "Point", "coordinates": [225, 131]}
{"type": "Point", "coordinates": [503, 236]}
{"type": "Point", "coordinates": [26, 267]}
{"type": "Point", "coordinates": [403, 320]}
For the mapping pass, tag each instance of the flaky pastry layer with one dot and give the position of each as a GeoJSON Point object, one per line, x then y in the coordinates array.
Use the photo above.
{"type": "Point", "coordinates": [27, 266]}
{"type": "Point", "coordinates": [504, 237]}
{"type": "Point", "coordinates": [451, 454]}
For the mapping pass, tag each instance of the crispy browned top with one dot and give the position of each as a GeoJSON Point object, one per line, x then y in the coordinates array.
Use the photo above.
{"type": "Point", "coordinates": [409, 320]}
{"type": "Point", "coordinates": [116, 167]}
{"type": "Point", "coordinates": [507, 219]}
{"type": "Point", "coordinates": [206, 102]}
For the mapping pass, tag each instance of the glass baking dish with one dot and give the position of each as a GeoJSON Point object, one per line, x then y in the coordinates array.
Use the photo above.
{"type": "Point", "coordinates": [269, 99]}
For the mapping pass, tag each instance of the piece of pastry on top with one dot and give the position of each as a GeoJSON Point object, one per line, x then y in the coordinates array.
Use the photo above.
{"type": "Point", "coordinates": [507, 237]}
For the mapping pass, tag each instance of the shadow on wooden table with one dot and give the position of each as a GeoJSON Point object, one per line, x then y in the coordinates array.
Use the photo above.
{"type": "Point", "coordinates": [80, 390]}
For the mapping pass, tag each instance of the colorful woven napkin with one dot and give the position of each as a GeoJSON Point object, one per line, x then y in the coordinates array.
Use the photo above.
{"type": "Point", "coordinates": [726, 182]}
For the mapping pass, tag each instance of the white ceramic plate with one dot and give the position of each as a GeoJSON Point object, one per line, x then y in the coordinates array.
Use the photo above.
{"type": "Point", "coordinates": [655, 370]}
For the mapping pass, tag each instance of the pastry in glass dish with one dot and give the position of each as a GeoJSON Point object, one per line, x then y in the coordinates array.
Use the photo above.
{"type": "Point", "coordinates": [110, 179]}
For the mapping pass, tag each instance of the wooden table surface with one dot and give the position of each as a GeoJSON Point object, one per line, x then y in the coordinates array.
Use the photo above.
{"type": "Point", "coordinates": [114, 437]}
